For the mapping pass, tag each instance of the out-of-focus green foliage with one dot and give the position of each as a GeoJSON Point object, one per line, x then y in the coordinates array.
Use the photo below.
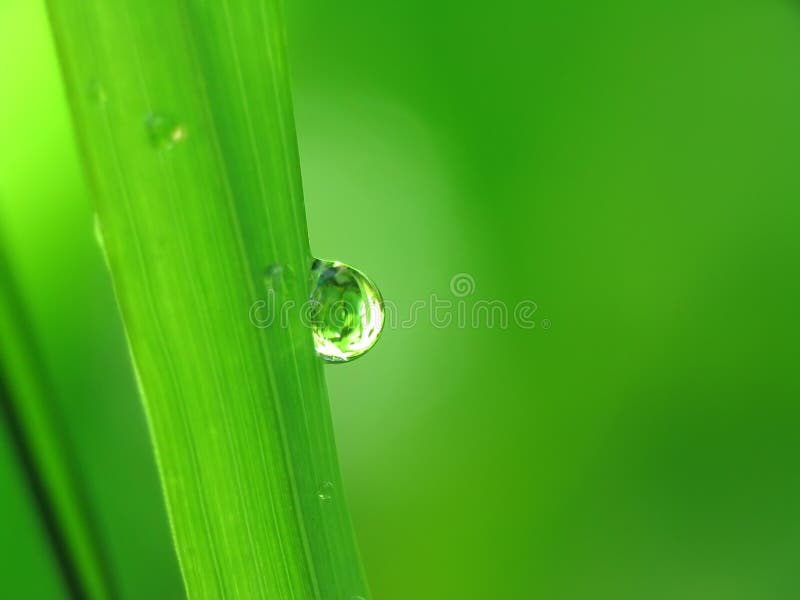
{"type": "Point", "coordinates": [34, 426]}
{"type": "Point", "coordinates": [28, 563]}
{"type": "Point", "coordinates": [632, 167]}
{"type": "Point", "coordinates": [47, 226]}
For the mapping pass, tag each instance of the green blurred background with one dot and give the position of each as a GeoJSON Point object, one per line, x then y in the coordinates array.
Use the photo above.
{"type": "Point", "coordinates": [632, 167]}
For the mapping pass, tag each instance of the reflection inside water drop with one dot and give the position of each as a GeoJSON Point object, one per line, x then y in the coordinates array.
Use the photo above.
{"type": "Point", "coordinates": [347, 311]}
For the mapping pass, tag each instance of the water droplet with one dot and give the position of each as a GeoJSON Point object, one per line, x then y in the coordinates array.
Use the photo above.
{"type": "Point", "coordinates": [347, 311]}
{"type": "Point", "coordinates": [325, 492]}
{"type": "Point", "coordinates": [277, 276]}
{"type": "Point", "coordinates": [97, 93]}
{"type": "Point", "coordinates": [164, 131]}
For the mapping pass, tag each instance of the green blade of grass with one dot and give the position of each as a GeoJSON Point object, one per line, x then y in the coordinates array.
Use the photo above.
{"type": "Point", "coordinates": [27, 406]}
{"type": "Point", "coordinates": [184, 115]}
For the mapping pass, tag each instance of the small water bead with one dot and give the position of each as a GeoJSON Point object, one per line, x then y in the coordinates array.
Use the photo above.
{"type": "Point", "coordinates": [97, 93]}
{"type": "Point", "coordinates": [347, 311]}
{"type": "Point", "coordinates": [278, 277]}
{"type": "Point", "coordinates": [325, 492]}
{"type": "Point", "coordinates": [164, 131]}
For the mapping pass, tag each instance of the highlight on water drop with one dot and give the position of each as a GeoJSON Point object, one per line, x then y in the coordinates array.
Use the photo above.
{"type": "Point", "coordinates": [347, 311]}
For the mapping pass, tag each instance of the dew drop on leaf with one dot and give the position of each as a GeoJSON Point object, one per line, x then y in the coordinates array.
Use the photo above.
{"type": "Point", "coordinates": [278, 277]}
{"type": "Point", "coordinates": [97, 93]}
{"type": "Point", "coordinates": [325, 492]}
{"type": "Point", "coordinates": [164, 131]}
{"type": "Point", "coordinates": [347, 311]}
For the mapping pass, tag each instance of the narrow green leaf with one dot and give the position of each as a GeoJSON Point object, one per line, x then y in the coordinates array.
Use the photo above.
{"type": "Point", "coordinates": [59, 494]}
{"type": "Point", "coordinates": [184, 114]}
